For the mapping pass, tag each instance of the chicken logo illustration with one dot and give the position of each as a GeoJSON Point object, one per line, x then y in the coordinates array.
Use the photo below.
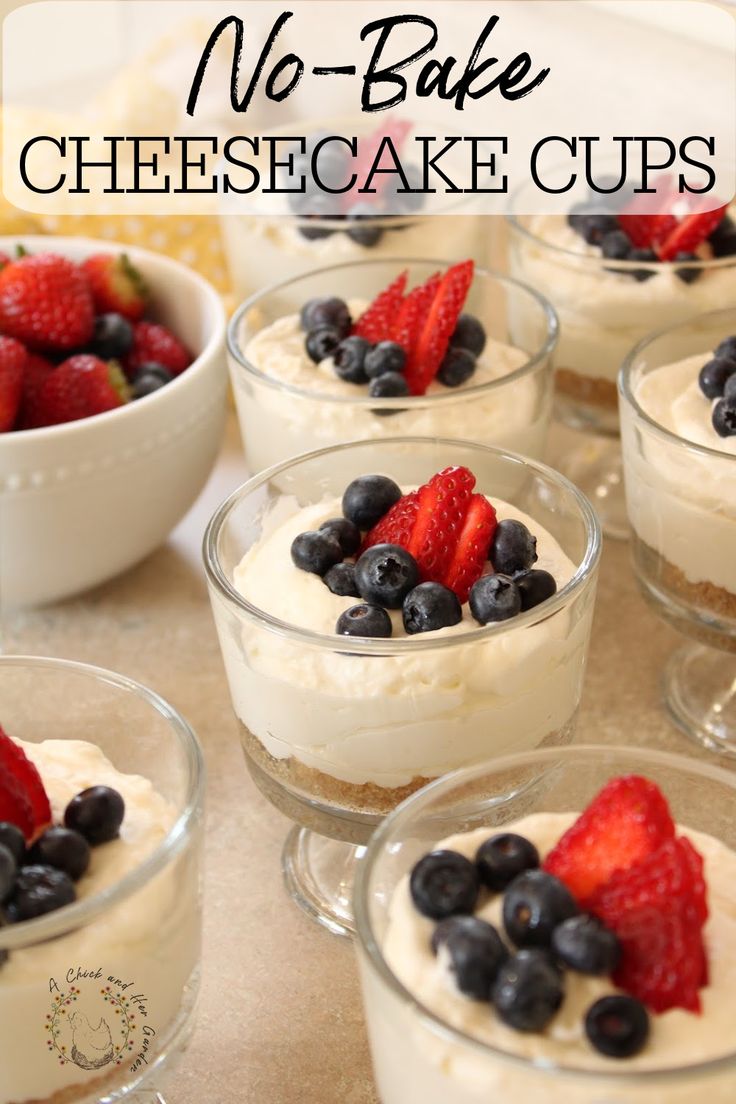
{"type": "Point", "coordinates": [91, 1046]}
{"type": "Point", "coordinates": [97, 1021]}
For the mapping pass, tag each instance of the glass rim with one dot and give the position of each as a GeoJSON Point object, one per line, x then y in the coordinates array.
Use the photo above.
{"type": "Point", "coordinates": [82, 912]}
{"type": "Point", "coordinates": [626, 391]}
{"type": "Point", "coordinates": [453, 395]}
{"type": "Point", "coordinates": [222, 586]}
{"type": "Point", "coordinates": [404, 814]}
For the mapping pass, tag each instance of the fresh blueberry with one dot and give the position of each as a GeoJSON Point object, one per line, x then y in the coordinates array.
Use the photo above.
{"type": "Point", "coordinates": [469, 334]}
{"type": "Point", "coordinates": [615, 245]}
{"type": "Point", "coordinates": [504, 856]}
{"type": "Point", "coordinates": [37, 890]}
{"type": "Point", "coordinates": [727, 348]}
{"type": "Point", "coordinates": [513, 549]}
{"type": "Point", "coordinates": [690, 273]}
{"type": "Point", "coordinates": [153, 368]}
{"type": "Point", "coordinates": [8, 871]}
{"type": "Point", "coordinates": [62, 848]}
{"type": "Point", "coordinates": [617, 1026]}
{"type": "Point", "coordinates": [476, 952]}
{"type": "Point", "coordinates": [145, 384]}
{"type": "Point", "coordinates": [364, 620]}
{"type": "Point", "coordinates": [729, 391]}
{"type": "Point", "coordinates": [347, 533]}
{"type": "Point", "coordinates": [430, 606]}
{"type": "Point", "coordinates": [713, 376]}
{"type": "Point", "coordinates": [368, 498]}
{"type": "Point", "coordinates": [316, 551]}
{"type": "Point", "coordinates": [535, 587]}
{"type": "Point", "coordinates": [313, 210]}
{"type": "Point", "coordinates": [723, 238]}
{"type": "Point", "coordinates": [12, 838]}
{"type": "Point", "coordinates": [326, 311]}
{"type": "Point", "coordinates": [349, 359]}
{"type": "Point", "coordinates": [444, 883]}
{"type": "Point", "coordinates": [591, 227]}
{"type": "Point", "coordinates": [391, 385]}
{"type": "Point", "coordinates": [533, 905]}
{"type": "Point", "coordinates": [321, 343]}
{"type": "Point", "coordinates": [494, 598]}
{"type": "Point", "coordinates": [385, 574]}
{"type": "Point", "coordinates": [648, 256]}
{"type": "Point", "coordinates": [457, 366]}
{"type": "Point", "coordinates": [340, 579]}
{"type": "Point", "coordinates": [528, 991]}
{"type": "Point", "coordinates": [97, 813]}
{"type": "Point", "coordinates": [724, 417]}
{"type": "Point", "coordinates": [112, 336]}
{"type": "Point", "coordinates": [386, 356]}
{"type": "Point", "coordinates": [331, 162]}
{"type": "Point", "coordinates": [584, 944]}
{"type": "Point", "coordinates": [366, 233]}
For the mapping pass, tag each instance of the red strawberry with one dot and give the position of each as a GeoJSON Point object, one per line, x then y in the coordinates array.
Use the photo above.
{"type": "Point", "coordinates": [413, 313]}
{"type": "Point", "coordinates": [80, 387]}
{"type": "Point", "coordinates": [395, 527]}
{"type": "Point", "coordinates": [425, 355]}
{"type": "Point", "coordinates": [646, 230]}
{"type": "Point", "coordinates": [471, 551]}
{"type": "Point", "coordinates": [376, 320]}
{"type": "Point", "coordinates": [628, 820]}
{"type": "Point", "coordinates": [116, 285]}
{"type": "Point", "coordinates": [4, 259]}
{"type": "Point", "coordinates": [45, 302]}
{"type": "Point", "coordinates": [23, 799]}
{"type": "Point", "coordinates": [37, 369]}
{"type": "Point", "coordinates": [13, 361]}
{"type": "Point", "coordinates": [689, 233]}
{"type": "Point", "coordinates": [396, 130]}
{"type": "Point", "coordinates": [153, 342]}
{"type": "Point", "coordinates": [657, 908]}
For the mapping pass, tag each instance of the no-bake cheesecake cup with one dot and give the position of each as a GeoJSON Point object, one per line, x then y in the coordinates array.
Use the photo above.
{"type": "Point", "coordinates": [123, 960]}
{"type": "Point", "coordinates": [510, 408]}
{"type": "Point", "coordinates": [681, 499]}
{"type": "Point", "coordinates": [336, 731]}
{"type": "Point", "coordinates": [417, 1053]}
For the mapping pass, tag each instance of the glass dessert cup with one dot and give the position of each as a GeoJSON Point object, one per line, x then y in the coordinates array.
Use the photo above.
{"type": "Point", "coordinates": [682, 508]}
{"type": "Point", "coordinates": [137, 938]}
{"type": "Point", "coordinates": [417, 1055]}
{"type": "Point", "coordinates": [338, 730]}
{"type": "Point", "coordinates": [279, 419]}
{"type": "Point", "coordinates": [603, 312]}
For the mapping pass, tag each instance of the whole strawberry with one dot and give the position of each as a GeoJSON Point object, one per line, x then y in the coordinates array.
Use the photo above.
{"type": "Point", "coordinates": [117, 286]}
{"type": "Point", "coordinates": [13, 361]}
{"type": "Point", "coordinates": [154, 343]}
{"type": "Point", "coordinates": [36, 371]}
{"type": "Point", "coordinates": [45, 302]}
{"type": "Point", "coordinates": [78, 388]}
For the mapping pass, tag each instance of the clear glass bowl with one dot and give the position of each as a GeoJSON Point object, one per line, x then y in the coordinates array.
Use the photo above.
{"type": "Point", "coordinates": [337, 731]}
{"type": "Point", "coordinates": [682, 508]}
{"type": "Point", "coordinates": [279, 419]}
{"type": "Point", "coordinates": [122, 962]}
{"type": "Point", "coordinates": [419, 1056]}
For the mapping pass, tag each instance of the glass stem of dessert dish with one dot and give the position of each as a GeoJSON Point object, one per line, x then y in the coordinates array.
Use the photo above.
{"type": "Point", "coordinates": [613, 279]}
{"type": "Point", "coordinates": [556, 925]}
{"type": "Point", "coordinates": [678, 424]}
{"type": "Point", "coordinates": [371, 644]}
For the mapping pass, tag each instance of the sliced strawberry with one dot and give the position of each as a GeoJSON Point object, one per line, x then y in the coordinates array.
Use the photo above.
{"type": "Point", "coordinates": [396, 130]}
{"type": "Point", "coordinates": [628, 820]}
{"type": "Point", "coordinates": [414, 311]}
{"type": "Point", "coordinates": [395, 527]}
{"type": "Point", "coordinates": [644, 231]}
{"type": "Point", "coordinates": [471, 550]}
{"type": "Point", "coordinates": [376, 321]}
{"type": "Point", "coordinates": [426, 353]}
{"type": "Point", "coordinates": [23, 799]}
{"type": "Point", "coordinates": [689, 233]}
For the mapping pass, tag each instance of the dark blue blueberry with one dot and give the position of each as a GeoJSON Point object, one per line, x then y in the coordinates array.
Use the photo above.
{"type": "Point", "coordinates": [444, 883]}
{"type": "Point", "coordinates": [533, 905]}
{"type": "Point", "coordinates": [502, 857]}
{"type": "Point", "coordinates": [153, 368]}
{"type": "Point", "coordinates": [648, 256]}
{"type": "Point", "coordinates": [617, 1026]}
{"type": "Point", "coordinates": [364, 620]}
{"type": "Point", "coordinates": [38, 890]}
{"type": "Point", "coordinates": [591, 227]}
{"type": "Point", "coordinates": [331, 164]}
{"type": "Point", "coordinates": [724, 417]}
{"type": "Point", "coordinates": [347, 533]}
{"type": "Point", "coordinates": [96, 813]}
{"type": "Point", "coordinates": [349, 359]}
{"type": "Point", "coordinates": [368, 498]}
{"type": "Point", "coordinates": [584, 944]}
{"type": "Point", "coordinates": [145, 384]}
{"type": "Point", "coordinates": [727, 348]}
{"type": "Point", "coordinates": [469, 334]}
{"type": "Point", "coordinates": [112, 336]}
{"type": "Point", "coordinates": [713, 376]}
{"type": "Point", "coordinates": [535, 587]}
{"type": "Point", "coordinates": [528, 991]}
{"type": "Point", "coordinates": [313, 209]}
{"type": "Point", "coordinates": [316, 551]}
{"type": "Point", "coordinates": [690, 273]}
{"type": "Point", "coordinates": [513, 549]}
{"type": "Point", "coordinates": [457, 366]}
{"type": "Point", "coordinates": [321, 343]}
{"type": "Point", "coordinates": [340, 579]}
{"type": "Point", "coordinates": [729, 391]}
{"type": "Point", "coordinates": [391, 385]}
{"type": "Point", "coordinates": [723, 238]}
{"type": "Point", "coordinates": [386, 356]}
{"type": "Point", "coordinates": [8, 871]}
{"type": "Point", "coordinates": [494, 598]}
{"type": "Point", "coordinates": [430, 606]}
{"type": "Point", "coordinates": [12, 838]}
{"type": "Point", "coordinates": [385, 574]}
{"type": "Point", "coordinates": [62, 848]}
{"type": "Point", "coordinates": [365, 233]}
{"type": "Point", "coordinates": [616, 245]}
{"type": "Point", "coordinates": [476, 953]}
{"type": "Point", "coordinates": [329, 311]}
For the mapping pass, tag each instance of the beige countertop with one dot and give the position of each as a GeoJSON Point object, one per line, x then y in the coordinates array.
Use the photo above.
{"type": "Point", "coordinates": [280, 1017]}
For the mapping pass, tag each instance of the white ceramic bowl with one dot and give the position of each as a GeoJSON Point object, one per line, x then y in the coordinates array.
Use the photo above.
{"type": "Point", "coordinates": [83, 501]}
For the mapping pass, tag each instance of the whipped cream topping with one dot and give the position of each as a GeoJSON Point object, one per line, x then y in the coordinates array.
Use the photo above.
{"type": "Point", "coordinates": [671, 396]}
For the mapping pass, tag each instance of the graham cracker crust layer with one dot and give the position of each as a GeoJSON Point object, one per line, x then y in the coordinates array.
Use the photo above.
{"type": "Point", "coordinates": [586, 389]}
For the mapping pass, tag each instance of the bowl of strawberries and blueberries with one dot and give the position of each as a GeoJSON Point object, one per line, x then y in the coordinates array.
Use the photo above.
{"type": "Point", "coordinates": [78, 339]}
